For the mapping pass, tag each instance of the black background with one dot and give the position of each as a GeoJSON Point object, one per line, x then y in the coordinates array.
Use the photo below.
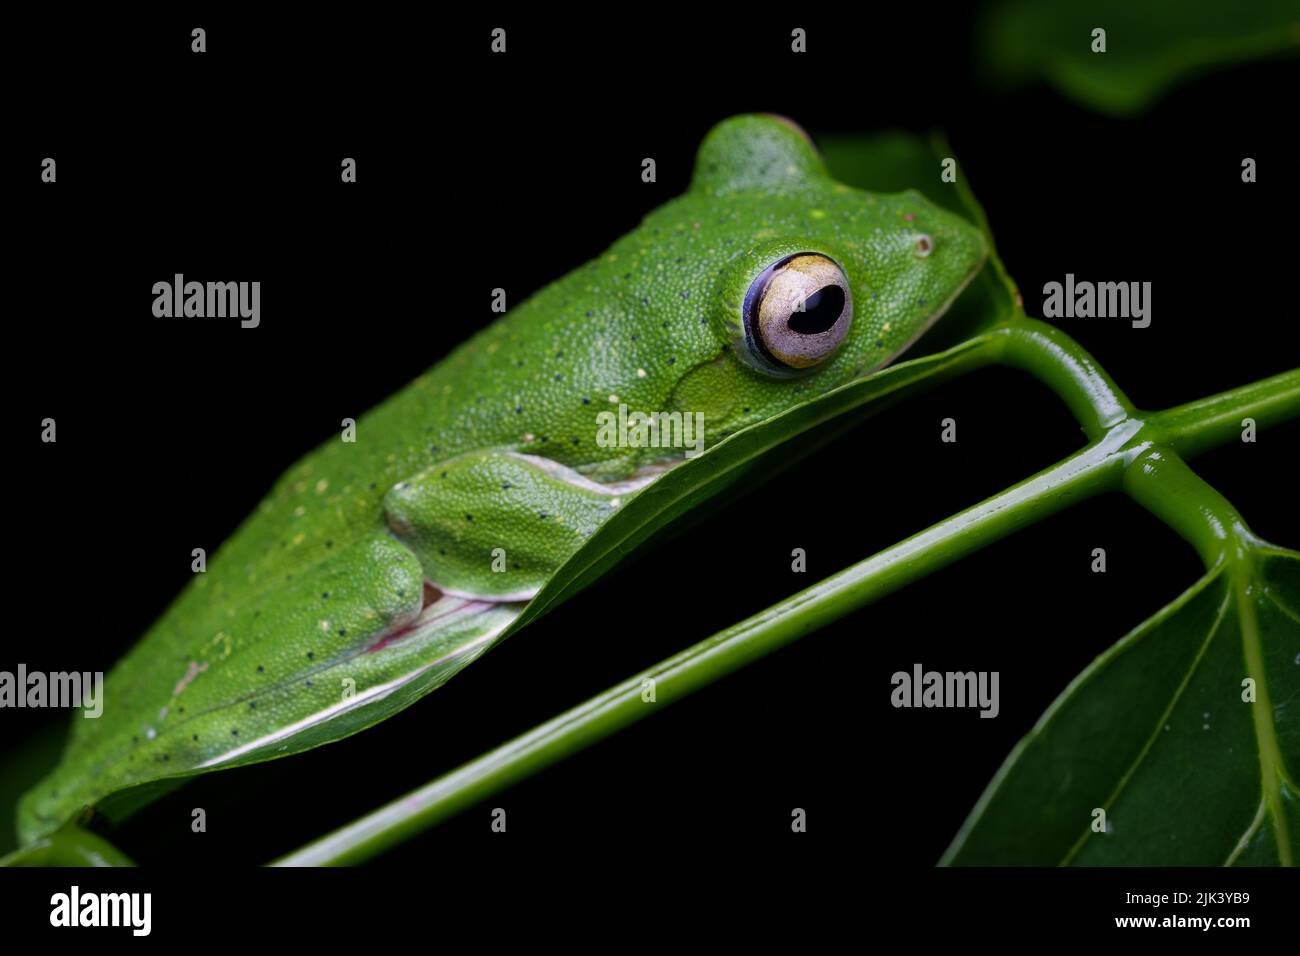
{"type": "Point", "coordinates": [478, 171]}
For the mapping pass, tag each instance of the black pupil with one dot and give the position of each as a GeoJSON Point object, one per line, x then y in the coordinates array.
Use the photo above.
{"type": "Point", "coordinates": [820, 311]}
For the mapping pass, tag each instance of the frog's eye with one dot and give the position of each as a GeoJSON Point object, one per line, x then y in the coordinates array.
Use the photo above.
{"type": "Point", "coordinates": [797, 312]}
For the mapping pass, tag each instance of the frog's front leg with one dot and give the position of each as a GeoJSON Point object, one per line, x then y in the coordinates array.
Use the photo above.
{"type": "Point", "coordinates": [496, 523]}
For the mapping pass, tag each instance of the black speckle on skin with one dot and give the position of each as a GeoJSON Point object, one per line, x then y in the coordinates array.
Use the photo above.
{"type": "Point", "coordinates": [469, 517]}
{"type": "Point", "coordinates": [325, 595]}
{"type": "Point", "coordinates": [590, 313]}
{"type": "Point", "coordinates": [261, 669]}
{"type": "Point", "coordinates": [443, 475]}
{"type": "Point", "coordinates": [577, 441]}
{"type": "Point", "coordinates": [252, 705]}
{"type": "Point", "coordinates": [343, 632]}
{"type": "Point", "coordinates": [505, 485]}
{"type": "Point", "coordinates": [672, 361]}
{"type": "Point", "coordinates": [587, 401]}
{"type": "Point", "coordinates": [329, 544]}
{"type": "Point", "coordinates": [234, 731]}
{"type": "Point", "coordinates": [519, 409]}
{"type": "Point", "coordinates": [311, 655]}
{"type": "Point", "coordinates": [167, 757]}
{"type": "Point", "coordinates": [307, 682]}
{"type": "Point", "coordinates": [541, 514]}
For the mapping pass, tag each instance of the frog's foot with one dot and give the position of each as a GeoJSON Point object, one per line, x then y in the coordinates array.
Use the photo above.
{"type": "Point", "coordinates": [494, 525]}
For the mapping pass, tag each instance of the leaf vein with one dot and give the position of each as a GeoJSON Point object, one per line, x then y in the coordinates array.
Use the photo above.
{"type": "Point", "coordinates": [1155, 733]}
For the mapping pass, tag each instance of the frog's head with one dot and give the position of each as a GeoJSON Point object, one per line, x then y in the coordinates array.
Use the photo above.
{"type": "Point", "coordinates": [829, 281]}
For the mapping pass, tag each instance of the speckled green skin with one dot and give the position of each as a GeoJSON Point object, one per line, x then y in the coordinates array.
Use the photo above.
{"type": "Point", "coordinates": [444, 472]}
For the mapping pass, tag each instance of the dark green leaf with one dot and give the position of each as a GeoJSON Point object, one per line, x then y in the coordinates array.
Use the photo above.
{"type": "Point", "coordinates": [1157, 734]}
{"type": "Point", "coordinates": [1150, 46]}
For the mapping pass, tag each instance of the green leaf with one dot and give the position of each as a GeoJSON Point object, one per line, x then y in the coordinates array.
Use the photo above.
{"type": "Point", "coordinates": [1151, 47]}
{"type": "Point", "coordinates": [1157, 734]}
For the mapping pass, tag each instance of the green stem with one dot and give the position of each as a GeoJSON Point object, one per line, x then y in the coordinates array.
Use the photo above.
{"type": "Point", "coordinates": [1162, 482]}
{"type": "Point", "coordinates": [1098, 467]}
{"type": "Point", "coordinates": [1197, 426]}
{"type": "Point", "coordinates": [1065, 367]}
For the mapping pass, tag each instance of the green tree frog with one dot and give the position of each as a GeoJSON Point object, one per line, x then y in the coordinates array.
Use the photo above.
{"type": "Point", "coordinates": [376, 568]}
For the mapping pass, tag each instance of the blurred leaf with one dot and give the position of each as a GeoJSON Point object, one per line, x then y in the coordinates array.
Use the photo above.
{"type": "Point", "coordinates": [1151, 46]}
{"type": "Point", "coordinates": [22, 767]}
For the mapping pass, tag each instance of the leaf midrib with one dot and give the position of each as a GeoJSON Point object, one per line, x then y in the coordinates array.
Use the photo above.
{"type": "Point", "coordinates": [1272, 769]}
